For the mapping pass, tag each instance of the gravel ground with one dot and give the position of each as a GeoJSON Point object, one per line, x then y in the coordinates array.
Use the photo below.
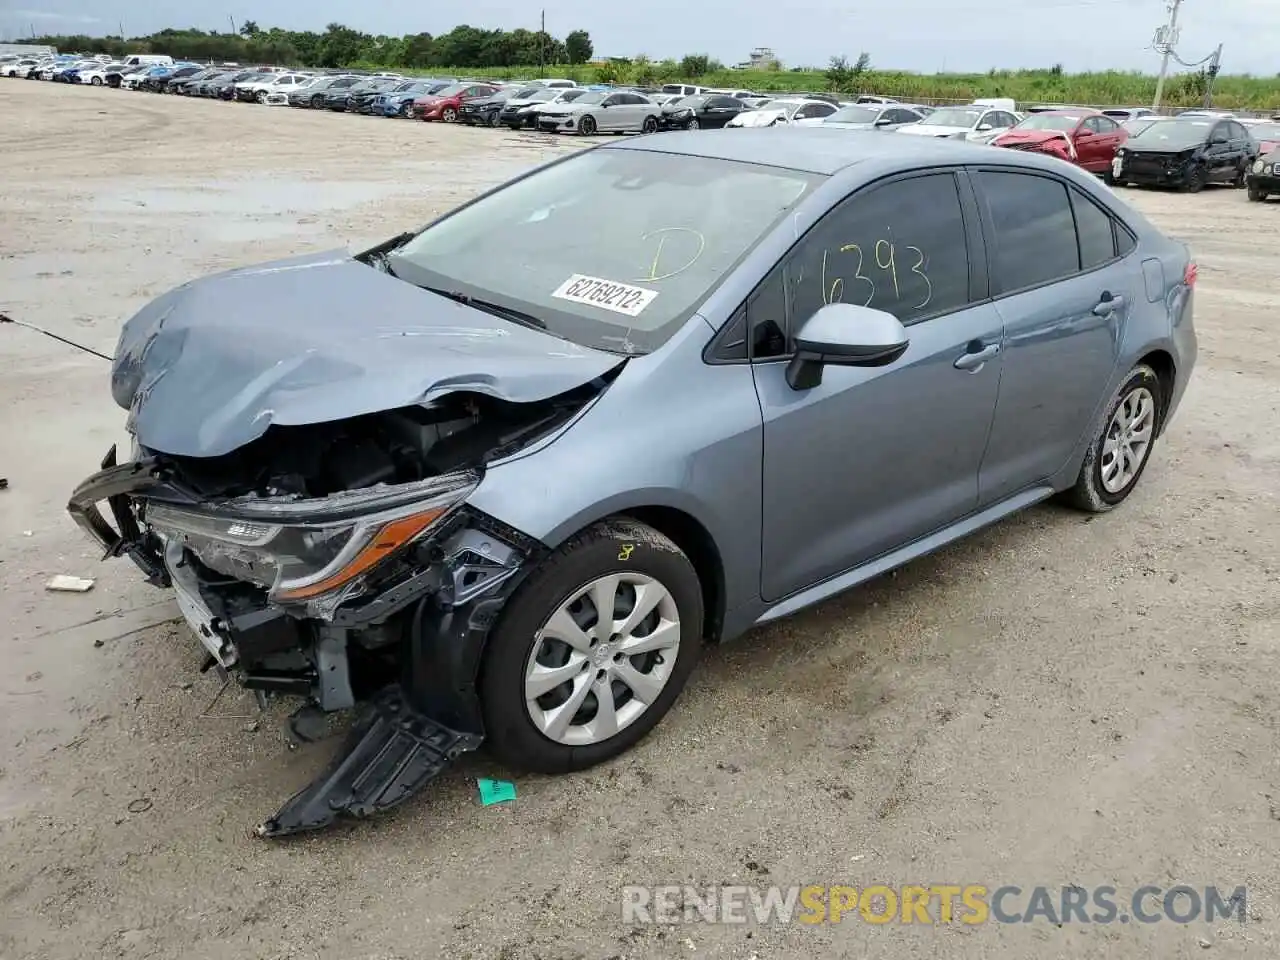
{"type": "Point", "coordinates": [1053, 701]}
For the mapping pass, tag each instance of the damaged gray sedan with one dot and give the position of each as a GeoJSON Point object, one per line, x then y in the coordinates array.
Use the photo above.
{"type": "Point", "coordinates": [499, 479]}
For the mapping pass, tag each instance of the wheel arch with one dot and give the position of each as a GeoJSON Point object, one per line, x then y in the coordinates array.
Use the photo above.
{"type": "Point", "coordinates": [1161, 361]}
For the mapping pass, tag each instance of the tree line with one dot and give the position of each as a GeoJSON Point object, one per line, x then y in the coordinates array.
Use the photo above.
{"type": "Point", "coordinates": [341, 46]}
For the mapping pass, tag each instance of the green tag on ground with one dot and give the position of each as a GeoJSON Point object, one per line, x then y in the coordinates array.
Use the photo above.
{"type": "Point", "coordinates": [496, 791]}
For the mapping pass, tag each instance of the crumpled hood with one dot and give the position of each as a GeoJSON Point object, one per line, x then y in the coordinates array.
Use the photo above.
{"type": "Point", "coordinates": [758, 118]}
{"type": "Point", "coordinates": [208, 367]}
{"type": "Point", "coordinates": [1030, 136]}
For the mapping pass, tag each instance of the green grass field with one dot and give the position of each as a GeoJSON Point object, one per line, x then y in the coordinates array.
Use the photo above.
{"type": "Point", "coordinates": [1025, 86]}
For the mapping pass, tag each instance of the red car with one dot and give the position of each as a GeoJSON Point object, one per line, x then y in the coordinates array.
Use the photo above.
{"type": "Point", "coordinates": [1085, 137]}
{"type": "Point", "coordinates": [444, 104]}
{"type": "Point", "coordinates": [1267, 133]}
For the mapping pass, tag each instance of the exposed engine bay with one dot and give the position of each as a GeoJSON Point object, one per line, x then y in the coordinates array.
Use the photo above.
{"type": "Point", "coordinates": [460, 431]}
{"type": "Point", "coordinates": [339, 563]}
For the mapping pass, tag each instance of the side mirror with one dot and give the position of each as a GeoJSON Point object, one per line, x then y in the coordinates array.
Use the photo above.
{"type": "Point", "coordinates": [883, 121]}
{"type": "Point", "coordinates": [984, 127]}
{"type": "Point", "coordinates": [846, 335]}
{"type": "Point", "coordinates": [1084, 132]}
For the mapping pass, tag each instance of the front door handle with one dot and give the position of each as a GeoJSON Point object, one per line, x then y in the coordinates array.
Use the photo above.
{"type": "Point", "coordinates": [1108, 304]}
{"type": "Point", "coordinates": [973, 359]}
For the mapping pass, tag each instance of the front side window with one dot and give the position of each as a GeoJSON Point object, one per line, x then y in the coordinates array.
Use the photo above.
{"type": "Point", "coordinates": [952, 117]}
{"type": "Point", "coordinates": [613, 248]}
{"type": "Point", "coordinates": [899, 247]}
{"type": "Point", "coordinates": [1034, 229]}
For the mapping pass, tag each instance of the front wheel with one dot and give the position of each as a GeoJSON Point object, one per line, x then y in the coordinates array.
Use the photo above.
{"type": "Point", "coordinates": [592, 650]}
{"type": "Point", "coordinates": [1120, 450]}
{"type": "Point", "coordinates": [587, 126]}
{"type": "Point", "coordinates": [650, 125]}
{"type": "Point", "coordinates": [260, 96]}
{"type": "Point", "coordinates": [693, 124]}
{"type": "Point", "coordinates": [96, 82]}
{"type": "Point", "coordinates": [448, 114]}
{"type": "Point", "coordinates": [1256, 193]}
{"type": "Point", "coordinates": [1196, 179]}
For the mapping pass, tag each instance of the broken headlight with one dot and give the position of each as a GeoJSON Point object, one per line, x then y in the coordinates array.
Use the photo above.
{"type": "Point", "coordinates": [304, 551]}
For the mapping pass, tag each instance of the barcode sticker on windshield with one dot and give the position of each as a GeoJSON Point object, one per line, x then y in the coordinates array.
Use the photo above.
{"type": "Point", "coordinates": [605, 294]}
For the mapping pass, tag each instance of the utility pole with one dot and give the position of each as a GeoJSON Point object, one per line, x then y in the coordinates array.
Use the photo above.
{"type": "Point", "coordinates": [542, 43]}
{"type": "Point", "coordinates": [1165, 40]}
{"type": "Point", "coordinates": [233, 24]}
{"type": "Point", "coordinates": [1211, 74]}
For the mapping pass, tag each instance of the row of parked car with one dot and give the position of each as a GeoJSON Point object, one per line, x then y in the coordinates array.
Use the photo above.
{"type": "Point", "coordinates": [1122, 144]}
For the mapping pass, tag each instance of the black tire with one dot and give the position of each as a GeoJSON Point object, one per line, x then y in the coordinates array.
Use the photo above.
{"type": "Point", "coordinates": [1109, 178]}
{"type": "Point", "coordinates": [405, 108]}
{"type": "Point", "coordinates": [493, 119]}
{"type": "Point", "coordinates": [1196, 179]}
{"type": "Point", "coordinates": [1256, 193]}
{"type": "Point", "coordinates": [1089, 494]}
{"type": "Point", "coordinates": [693, 124]}
{"type": "Point", "coordinates": [650, 125]}
{"type": "Point", "coordinates": [616, 545]}
{"type": "Point", "coordinates": [587, 126]}
{"type": "Point", "coordinates": [317, 101]}
{"type": "Point", "coordinates": [96, 82]}
{"type": "Point", "coordinates": [260, 96]}
{"type": "Point", "coordinates": [448, 115]}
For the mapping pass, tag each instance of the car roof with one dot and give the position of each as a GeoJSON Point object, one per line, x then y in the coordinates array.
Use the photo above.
{"type": "Point", "coordinates": [1069, 112]}
{"type": "Point", "coordinates": [818, 150]}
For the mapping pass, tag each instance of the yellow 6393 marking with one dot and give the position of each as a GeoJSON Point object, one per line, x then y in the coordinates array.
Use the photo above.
{"type": "Point", "coordinates": [625, 551]}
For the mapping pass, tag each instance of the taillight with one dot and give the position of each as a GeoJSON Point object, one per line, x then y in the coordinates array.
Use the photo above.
{"type": "Point", "coordinates": [1189, 275]}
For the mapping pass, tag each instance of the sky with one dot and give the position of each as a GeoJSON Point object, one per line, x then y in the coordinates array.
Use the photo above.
{"type": "Point", "coordinates": [917, 35]}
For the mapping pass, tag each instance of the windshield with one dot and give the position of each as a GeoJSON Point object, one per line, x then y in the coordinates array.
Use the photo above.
{"type": "Point", "coordinates": [450, 90]}
{"type": "Point", "coordinates": [1047, 121]}
{"type": "Point", "coordinates": [1265, 131]}
{"type": "Point", "coordinates": [693, 103]}
{"type": "Point", "coordinates": [616, 248]}
{"type": "Point", "coordinates": [1172, 133]}
{"type": "Point", "coordinates": [593, 96]}
{"type": "Point", "coordinates": [952, 117]}
{"type": "Point", "coordinates": [568, 96]}
{"type": "Point", "coordinates": [855, 115]}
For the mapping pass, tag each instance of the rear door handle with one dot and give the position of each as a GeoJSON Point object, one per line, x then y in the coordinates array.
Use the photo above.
{"type": "Point", "coordinates": [1107, 305]}
{"type": "Point", "coordinates": [974, 359]}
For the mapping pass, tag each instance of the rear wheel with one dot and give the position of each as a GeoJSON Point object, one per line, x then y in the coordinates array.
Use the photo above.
{"type": "Point", "coordinates": [1120, 450]}
{"type": "Point", "coordinates": [587, 126]}
{"type": "Point", "coordinates": [592, 650]}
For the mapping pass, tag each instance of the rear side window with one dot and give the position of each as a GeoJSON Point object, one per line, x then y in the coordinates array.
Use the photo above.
{"type": "Point", "coordinates": [1094, 229]}
{"type": "Point", "coordinates": [1034, 229]}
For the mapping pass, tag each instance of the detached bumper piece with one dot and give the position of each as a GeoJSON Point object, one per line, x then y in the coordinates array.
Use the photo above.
{"type": "Point", "coordinates": [391, 754]}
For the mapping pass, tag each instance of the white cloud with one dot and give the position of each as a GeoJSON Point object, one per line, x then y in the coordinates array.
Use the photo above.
{"type": "Point", "coordinates": [53, 17]}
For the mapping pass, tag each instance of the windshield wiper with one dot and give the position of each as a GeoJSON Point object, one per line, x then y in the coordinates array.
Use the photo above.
{"type": "Point", "coordinates": [506, 313]}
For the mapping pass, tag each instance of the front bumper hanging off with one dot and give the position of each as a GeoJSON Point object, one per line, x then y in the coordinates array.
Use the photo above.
{"type": "Point", "coordinates": [407, 732]}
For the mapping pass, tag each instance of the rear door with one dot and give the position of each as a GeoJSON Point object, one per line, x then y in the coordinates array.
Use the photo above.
{"type": "Point", "coordinates": [1064, 291]}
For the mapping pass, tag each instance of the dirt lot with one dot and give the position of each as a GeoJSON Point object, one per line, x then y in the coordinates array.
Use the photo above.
{"type": "Point", "coordinates": [1054, 701]}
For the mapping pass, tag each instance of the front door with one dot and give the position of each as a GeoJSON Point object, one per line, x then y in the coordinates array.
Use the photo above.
{"type": "Point", "coordinates": [1064, 288]}
{"type": "Point", "coordinates": [875, 457]}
